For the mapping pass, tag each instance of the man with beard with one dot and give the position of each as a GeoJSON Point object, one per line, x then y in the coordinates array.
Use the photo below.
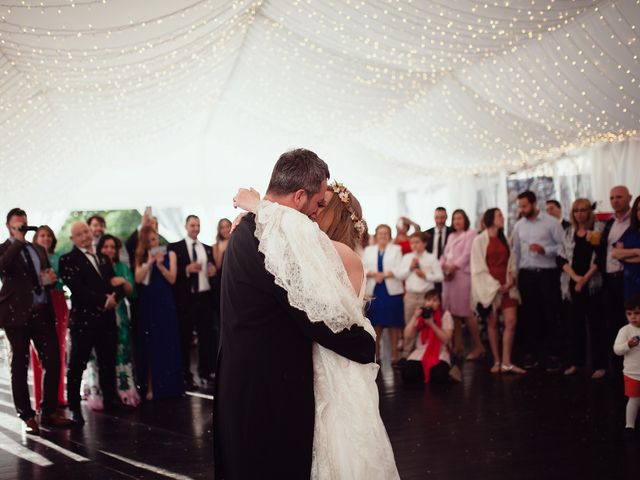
{"type": "Point", "coordinates": [536, 240]}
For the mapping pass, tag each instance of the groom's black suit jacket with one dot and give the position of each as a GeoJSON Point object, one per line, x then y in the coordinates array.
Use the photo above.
{"type": "Point", "coordinates": [264, 404]}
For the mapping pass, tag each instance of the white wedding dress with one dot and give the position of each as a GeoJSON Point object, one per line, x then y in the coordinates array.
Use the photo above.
{"type": "Point", "coordinates": [350, 440]}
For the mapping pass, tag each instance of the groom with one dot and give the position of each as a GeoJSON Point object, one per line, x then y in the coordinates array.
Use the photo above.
{"type": "Point", "coordinates": [264, 405]}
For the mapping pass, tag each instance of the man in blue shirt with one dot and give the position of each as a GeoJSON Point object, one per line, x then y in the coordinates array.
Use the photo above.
{"type": "Point", "coordinates": [536, 240]}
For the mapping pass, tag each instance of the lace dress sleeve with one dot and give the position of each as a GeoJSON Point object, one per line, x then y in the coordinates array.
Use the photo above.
{"type": "Point", "coordinates": [307, 266]}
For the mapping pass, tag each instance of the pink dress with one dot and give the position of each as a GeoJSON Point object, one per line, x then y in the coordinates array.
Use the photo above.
{"type": "Point", "coordinates": [456, 292]}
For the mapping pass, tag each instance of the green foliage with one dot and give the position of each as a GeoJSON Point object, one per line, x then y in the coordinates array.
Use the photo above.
{"type": "Point", "coordinates": [120, 223]}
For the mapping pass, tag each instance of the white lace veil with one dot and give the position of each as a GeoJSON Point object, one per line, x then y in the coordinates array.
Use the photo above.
{"type": "Point", "coordinates": [305, 263]}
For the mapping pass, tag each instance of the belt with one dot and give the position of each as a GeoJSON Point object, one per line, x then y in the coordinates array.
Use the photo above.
{"type": "Point", "coordinates": [38, 307]}
{"type": "Point", "coordinates": [619, 274]}
{"type": "Point", "coordinates": [537, 270]}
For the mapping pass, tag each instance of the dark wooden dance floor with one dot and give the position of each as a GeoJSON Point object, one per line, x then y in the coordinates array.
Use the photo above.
{"type": "Point", "coordinates": [540, 426]}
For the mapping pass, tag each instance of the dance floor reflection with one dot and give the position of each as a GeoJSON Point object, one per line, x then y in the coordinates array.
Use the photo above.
{"type": "Point", "coordinates": [161, 439]}
{"type": "Point", "coordinates": [537, 426]}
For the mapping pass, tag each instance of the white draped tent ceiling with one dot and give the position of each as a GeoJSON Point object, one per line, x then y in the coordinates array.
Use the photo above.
{"type": "Point", "coordinates": [120, 103]}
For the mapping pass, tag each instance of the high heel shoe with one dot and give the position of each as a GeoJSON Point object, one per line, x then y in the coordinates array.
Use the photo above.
{"type": "Point", "coordinates": [495, 368]}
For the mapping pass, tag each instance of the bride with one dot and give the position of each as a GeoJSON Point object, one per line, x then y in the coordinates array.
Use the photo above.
{"type": "Point", "coordinates": [323, 276]}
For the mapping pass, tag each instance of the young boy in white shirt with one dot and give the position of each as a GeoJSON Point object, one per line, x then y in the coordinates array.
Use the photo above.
{"type": "Point", "coordinates": [626, 345]}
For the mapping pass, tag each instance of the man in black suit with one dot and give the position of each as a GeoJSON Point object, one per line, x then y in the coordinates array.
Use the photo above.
{"type": "Point", "coordinates": [194, 302]}
{"type": "Point", "coordinates": [612, 270]}
{"type": "Point", "coordinates": [264, 402]}
{"type": "Point", "coordinates": [26, 314]}
{"type": "Point", "coordinates": [94, 295]}
{"type": "Point", "coordinates": [437, 236]}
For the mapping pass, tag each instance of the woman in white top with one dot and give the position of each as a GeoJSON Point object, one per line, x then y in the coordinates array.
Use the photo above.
{"type": "Point", "coordinates": [420, 270]}
{"type": "Point", "coordinates": [386, 309]}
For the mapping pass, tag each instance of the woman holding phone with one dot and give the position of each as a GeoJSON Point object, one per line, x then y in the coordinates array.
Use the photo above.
{"type": "Point", "coordinates": [158, 354]}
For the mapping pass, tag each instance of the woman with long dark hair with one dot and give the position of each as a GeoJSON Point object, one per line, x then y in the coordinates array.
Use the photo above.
{"type": "Point", "coordinates": [45, 237]}
{"type": "Point", "coordinates": [493, 287]}
{"type": "Point", "coordinates": [110, 247]}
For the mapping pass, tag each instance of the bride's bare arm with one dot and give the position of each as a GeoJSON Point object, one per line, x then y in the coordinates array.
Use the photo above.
{"type": "Point", "coordinates": [352, 264]}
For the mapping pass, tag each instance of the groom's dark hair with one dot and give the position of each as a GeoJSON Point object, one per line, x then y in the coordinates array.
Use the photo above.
{"type": "Point", "coordinates": [298, 169]}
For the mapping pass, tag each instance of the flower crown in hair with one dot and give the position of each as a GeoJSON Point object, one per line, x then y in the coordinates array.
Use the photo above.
{"type": "Point", "coordinates": [345, 197]}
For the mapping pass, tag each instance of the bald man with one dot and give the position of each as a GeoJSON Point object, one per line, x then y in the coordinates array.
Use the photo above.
{"type": "Point", "coordinates": [92, 324]}
{"type": "Point", "coordinates": [612, 269]}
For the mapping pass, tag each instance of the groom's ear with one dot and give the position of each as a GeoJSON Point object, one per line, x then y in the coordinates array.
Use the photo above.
{"type": "Point", "coordinates": [299, 198]}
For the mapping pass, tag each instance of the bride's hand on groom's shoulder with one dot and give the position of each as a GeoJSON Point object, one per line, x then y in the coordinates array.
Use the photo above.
{"type": "Point", "coordinates": [247, 199]}
{"type": "Point", "coordinates": [237, 221]}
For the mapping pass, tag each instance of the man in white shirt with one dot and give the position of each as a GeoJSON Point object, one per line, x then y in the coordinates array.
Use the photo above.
{"type": "Point", "coordinates": [536, 240]}
{"type": "Point", "coordinates": [420, 270]}
{"type": "Point", "coordinates": [437, 237]}
{"type": "Point", "coordinates": [194, 303]}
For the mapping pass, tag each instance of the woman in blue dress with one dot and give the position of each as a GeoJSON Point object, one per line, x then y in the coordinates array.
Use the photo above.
{"type": "Point", "coordinates": [158, 351]}
{"type": "Point", "coordinates": [628, 252]}
{"type": "Point", "coordinates": [386, 309]}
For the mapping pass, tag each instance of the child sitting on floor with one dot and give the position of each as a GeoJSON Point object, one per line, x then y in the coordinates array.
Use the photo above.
{"type": "Point", "coordinates": [626, 344]}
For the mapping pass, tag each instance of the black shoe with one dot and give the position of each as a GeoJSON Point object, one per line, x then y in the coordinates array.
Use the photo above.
{"type": "Point", "coordinates": [76, 417]}
{"type": "Point", "coordinates": [191, 387]}
{"type": "Point", "coordinates": [31, 426]}
{"type": "Point", "coordinates": [529, 362]}
{"type": "Point", "coordinates": [629, 433]}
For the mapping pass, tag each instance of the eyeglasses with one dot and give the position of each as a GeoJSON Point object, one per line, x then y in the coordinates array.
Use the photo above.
{"type": "Point", "coordinates": [581, 210]}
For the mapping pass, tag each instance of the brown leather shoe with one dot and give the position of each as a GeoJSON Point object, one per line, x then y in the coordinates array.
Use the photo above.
{"type": "Point", "coordinates": [31, 426]}
{"type": "Point", "coordinates": [56, 420]}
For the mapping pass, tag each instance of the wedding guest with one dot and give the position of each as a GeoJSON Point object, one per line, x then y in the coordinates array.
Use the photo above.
{"type": "Point", "coordinates": [612, 270]}
{"type": "Point", "coordinates": [581, 285]}
{"type": "Point", "coordinates": [386, 307]}
{"type": "Point", "coordinates": [219, 248]}
{"type": "Point", "coordinates": [97, 225]}
{"type": "Point", "coordinates": [402, 235]}
{"type": "Point", "coordinates": [536, 239]}
{"type": "Point", "coordinates": [158, 356]}
{"type": "Point", "coordinates": [110, 247]}
{"type": "Point", "coordinates": [431, 329]}
{"type": "Point", "coordinates": [26, 315]}
{"type": "Point", "coordinates": [554, 209]}
{"type": "Point", "coordinates": [437, 236]}
{"type": "Point", "coordinates": [94, 297]}
{"type": "Point", "coordinates": [222, 240]}
{"type": "Point", "coordinates": [493, 287]}
{"type": "Point", "coordinates": [132, 242]}
{"type": "Point", "coordinates": [45, 237]}
{"type": "Point", "coordinates": [365, 240]}
{"type": "Point", "coordinates": [627, 251]}
{"type": "Point", "coordinates": [419, 270]}
{"type": "Point", "coordinates": [456, 288]}
{"type": "Point", "coordinates": [626, 345]}
{"type": "Point", "coordinates": [194, 301]}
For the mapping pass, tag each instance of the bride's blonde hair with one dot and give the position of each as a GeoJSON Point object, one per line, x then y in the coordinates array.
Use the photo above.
{"type": "Point", "coordinates": [346, 216]}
